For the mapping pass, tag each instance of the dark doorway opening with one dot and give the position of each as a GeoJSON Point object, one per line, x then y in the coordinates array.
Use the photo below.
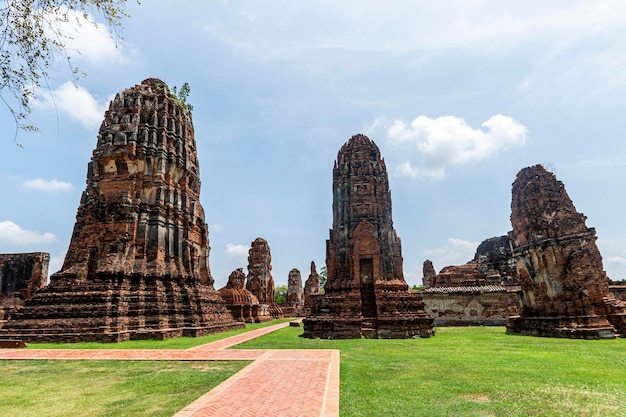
{"type": "Point", "coordinates": [368, 299]}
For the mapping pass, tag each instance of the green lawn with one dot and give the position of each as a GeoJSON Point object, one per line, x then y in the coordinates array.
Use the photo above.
{"type": "Point", "coordinates": [106, 388]}
{"type": "Point", "coordinates": [177, 343]}
{"type": "Point", "coordinates": [474, 371]}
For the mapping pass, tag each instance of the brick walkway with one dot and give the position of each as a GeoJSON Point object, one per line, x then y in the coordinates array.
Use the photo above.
{"type": "Point", "coordinates": [280, 382]}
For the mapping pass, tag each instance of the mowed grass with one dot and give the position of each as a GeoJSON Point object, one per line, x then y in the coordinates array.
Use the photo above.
{"type": "Point", "coordinates": [113, 388]}
{"type": "Point", "coordinates": [473, 371]}
{"type": "Point", "coordinates": [106, 388]}
{"type": "Point", "coordinates": [177, 343]}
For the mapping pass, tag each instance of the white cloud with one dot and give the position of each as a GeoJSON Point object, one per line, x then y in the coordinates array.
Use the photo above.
{"type": "Point", "coordinates": [414, 276]}
{"type": "Point", "coordinates": [550, 39]}
{"type": "Point", "coordinates": [616, 260]}
{"type": "Point", "coordinates": [602, 163]}
{"type": "Point", "coordinates": [238, 253]}
{"type": "Point", "coordinates": [454, 252]}
{"type": "Point", "coordinates": [616, 266]}
{"type": "Point", "coordinates": [448, 140]}
{"type": "Point", "coordinates": [52, 185]}
{"type": "Point", "coordinates": [56, 263]}
{"type": "Point", "coordinates": [614, 256]}
{"type": "Point", "coordinates": [84, 40]}
{"type": "Point", "coordinates": [78, 103]}
{"type": "Point", "coordinates": [13, 234]}
{"type": "Point", "coordinates": [266, 32]}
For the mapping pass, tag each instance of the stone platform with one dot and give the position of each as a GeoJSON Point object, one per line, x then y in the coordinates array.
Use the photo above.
{"type": "Point", "coordinates": [572, 327]}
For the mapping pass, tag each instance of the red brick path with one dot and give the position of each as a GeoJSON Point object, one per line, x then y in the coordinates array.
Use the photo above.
{"type": "Point", "coordinates": [278, 383]}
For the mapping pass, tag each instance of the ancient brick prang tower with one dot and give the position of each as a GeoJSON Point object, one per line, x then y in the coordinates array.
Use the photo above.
{"type": "Point", "coordinates": [365, 293]}
{"type": "Point", "coordinates": [260, 281]}
{"type": "Point", "coordinates": [564, 286]}
{"type": "Point", "coordinates": [137, 265]}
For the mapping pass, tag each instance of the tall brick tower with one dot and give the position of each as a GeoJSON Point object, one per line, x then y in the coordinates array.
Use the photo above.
{"type": "Point", "coordinates": [138, 261]}
{"type": "Point", "coordinates": [564, 287]}
{"type": "Point", "coordinates": [365, 292]}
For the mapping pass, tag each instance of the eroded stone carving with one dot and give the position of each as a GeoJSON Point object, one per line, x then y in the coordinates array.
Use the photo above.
{"type": "Point", "coordinates": [137, 265]}
{"type": "Point", "coordinates": [365, 293]}
{"type": "Point", "coordinates": [564, 286]}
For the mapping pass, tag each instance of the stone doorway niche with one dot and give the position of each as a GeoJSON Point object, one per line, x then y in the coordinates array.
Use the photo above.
{"type": "Point", "coordinates": [366, 276]}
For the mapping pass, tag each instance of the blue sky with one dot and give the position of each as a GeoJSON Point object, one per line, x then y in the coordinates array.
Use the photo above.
{"type": "Point", "coordinates": [459, 96]}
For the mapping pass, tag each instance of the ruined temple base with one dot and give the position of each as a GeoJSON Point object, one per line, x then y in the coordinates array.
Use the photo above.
{"type": "Point", "coordinates": [119, 308]}
{"type": "Point", "coordinates": [275, 311]}
{"type": "Point", "coordinates": [401, 316]}
{"type": "Point", "coordinates": [367, 328]}
{"type": "Point", "coordinates": [616, 314]}
{"type": "Point", "coordinates": [472, 305]}
{"type": "Point", "coordinates": [572, 327]}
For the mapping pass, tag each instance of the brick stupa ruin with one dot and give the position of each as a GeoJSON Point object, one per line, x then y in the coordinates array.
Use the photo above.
{"type": "Point", "coordinates": [295, 292]}
{"type": "Point", "coordinates": [260, 281]}
{"type": "Point", "coordinates": [481, 292]}
{"type": "Point", "coordinates": [311, 288]}
{"type": "Point", "coordinates": [492, 265]}
{"type": "Point", "coordinates": [138, 262]}
{"type": "Point", "coordinates": [365, 293]}
{"type": "Point", "coordinates": [564, 287]}
{"type": "Point", "coordinates": [243, 305]}
{"type": "Point", "coordinates": [22, 274]}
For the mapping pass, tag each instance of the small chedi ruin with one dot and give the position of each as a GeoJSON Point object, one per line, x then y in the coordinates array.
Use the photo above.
{"type": "Point", "coordinates": [295, 294]}
{"type": "Point", "coordinates": [481, 292]}
{"type": "Point", "coordinates": [243, 305]}
{"type": "Point", "coordinates": [138, 262]}
{"type": "Point", "coordinates": [492, 264]}
{"type": "Point", "coordinates": [565, 291]}
{"type": "Point", "coordinates": [21, 275]}
{"type": "Point", "coordinates": [260, 281]}
{"type": "Point", "coordinates": [311, 289]}
{"type": "Point", "coordinates": [617, 290]}
{"type": "Point", "coordinates": [365, 293]}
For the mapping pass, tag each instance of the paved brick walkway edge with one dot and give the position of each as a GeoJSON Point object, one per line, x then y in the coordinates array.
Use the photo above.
{"type": "Point", "coordinates": [279, 383]}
